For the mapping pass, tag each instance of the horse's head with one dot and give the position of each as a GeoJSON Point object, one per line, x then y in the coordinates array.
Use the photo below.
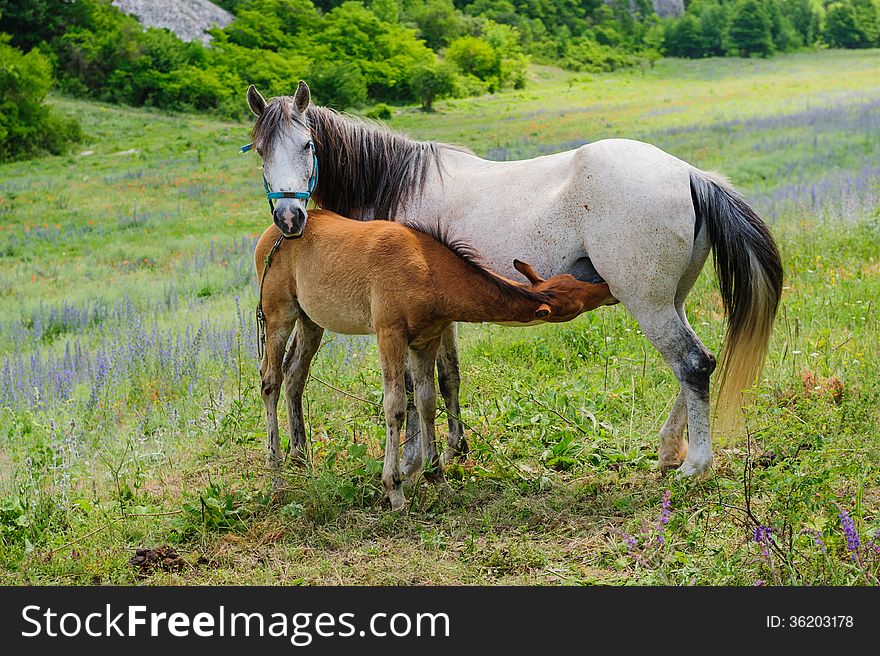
{"type": "Point", "coordinates": [283, 139]}
{"type": "Point", "coordinates": [569, 296]}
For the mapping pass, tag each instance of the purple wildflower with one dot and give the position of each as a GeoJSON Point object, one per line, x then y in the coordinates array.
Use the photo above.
{"type": "Point", "coordinates": [631, 543]}
{"type": "Point", "coordinates": [764, 537]}
{"type": "Point", "coordinates": [853, 542]}
{"type": "Point", "coordinates": [663, 519]}
{"type": "Point", "coordinates": [760, 583]}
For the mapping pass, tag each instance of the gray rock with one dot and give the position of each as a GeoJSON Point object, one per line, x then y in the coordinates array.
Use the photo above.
{"type": "Point", "coordinates": [188, 19]}
{"type": "Point", "coordinates": [666, 8]}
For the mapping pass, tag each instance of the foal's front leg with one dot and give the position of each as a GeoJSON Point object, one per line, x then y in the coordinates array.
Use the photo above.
{"type": "Point", "coordinates": [306, 341]}
{"type": "Point", "coordinates": [278, 329]}
{"type": "Point", "coordinates": [392, 354]}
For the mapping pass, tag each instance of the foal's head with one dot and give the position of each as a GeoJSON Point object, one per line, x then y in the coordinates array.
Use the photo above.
{"type": "Point", "coordinates": [284, 141]}
{"type": "Point", "coordinates": [568, 296]}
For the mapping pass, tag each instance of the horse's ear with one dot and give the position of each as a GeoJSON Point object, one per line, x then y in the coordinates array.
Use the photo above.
{"type": "Point", "coordinates": [543, 311]}
{"type": "Point", "coordinates": [303, 97]}
{"type": "Point", "coordinates": [255, 101]}
{"type": "Point", "coordinates": [526, 269]}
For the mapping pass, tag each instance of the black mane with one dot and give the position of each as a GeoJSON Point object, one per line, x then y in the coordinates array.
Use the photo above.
{"type": "Point", "coordinates": [509, 290]}
{"type": "Point", "coordinates": [367, 171]}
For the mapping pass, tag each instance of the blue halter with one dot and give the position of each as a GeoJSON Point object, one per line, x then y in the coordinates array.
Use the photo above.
{"type": "Point", "coordinates": [301, 195]}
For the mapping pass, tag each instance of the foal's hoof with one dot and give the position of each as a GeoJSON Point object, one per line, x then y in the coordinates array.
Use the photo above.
{"type": "Point", "coordinates": [397, 500]}
{"type": "Point", "coordinates": [411, 469]}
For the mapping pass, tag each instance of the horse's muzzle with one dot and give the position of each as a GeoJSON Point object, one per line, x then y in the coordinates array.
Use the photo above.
{"type": "Point", "coordinates": [290, 217]}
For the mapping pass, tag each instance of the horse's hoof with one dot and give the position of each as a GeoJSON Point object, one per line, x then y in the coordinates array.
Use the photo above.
{"type": "Point", "coordinates": [693, 470]}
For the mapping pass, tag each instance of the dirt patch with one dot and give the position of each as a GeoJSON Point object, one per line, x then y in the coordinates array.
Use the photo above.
{"type": "Point", "coordinates": [163, 558]}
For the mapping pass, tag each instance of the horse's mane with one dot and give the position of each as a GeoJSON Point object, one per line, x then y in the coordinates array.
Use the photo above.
{"type": "Point", "coordinates": [468, 255]}
{"type": "Point", "coordinates": [367, 171]}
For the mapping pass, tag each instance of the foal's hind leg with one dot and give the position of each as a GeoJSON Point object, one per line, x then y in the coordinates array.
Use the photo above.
{"type": "Point", "coordinates": [392, 354]}
{"type": "Point", "coordinates": [306, 341]}
{"type": "Point", "coordinates": [412, 444]}
{"type": "Point", "coordinates": [422, 361]}
{"type": "Point", "coordinates": [278, 329]}
{"type": "Point", "coordinates": [450, 381]}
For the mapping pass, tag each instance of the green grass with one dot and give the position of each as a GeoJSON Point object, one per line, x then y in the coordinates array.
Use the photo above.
{"type": "Point", "coordinates": [563, 419]}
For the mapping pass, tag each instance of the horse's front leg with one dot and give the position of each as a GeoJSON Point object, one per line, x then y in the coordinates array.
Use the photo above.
{"type": "Point", "coordinates": [306, 341]}
{"type": "Point", "coordinates": [449, 378]}
{"type": "Point", "coordinates": [392, 354]}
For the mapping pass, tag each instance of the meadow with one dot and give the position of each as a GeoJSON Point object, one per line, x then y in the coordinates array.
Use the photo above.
{"type": "Point", "coordinates": [130, 413]}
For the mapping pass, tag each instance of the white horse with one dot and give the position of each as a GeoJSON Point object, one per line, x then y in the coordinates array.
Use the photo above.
{"type": "Point", "coordinates": [616, 210]}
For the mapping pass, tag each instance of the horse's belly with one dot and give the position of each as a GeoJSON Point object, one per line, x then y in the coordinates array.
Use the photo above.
{"type": "Point", "coordinates": [332, 313]}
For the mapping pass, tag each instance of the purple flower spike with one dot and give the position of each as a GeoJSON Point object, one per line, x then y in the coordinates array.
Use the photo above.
{"type": "Point", "coordinates": [853, 542]}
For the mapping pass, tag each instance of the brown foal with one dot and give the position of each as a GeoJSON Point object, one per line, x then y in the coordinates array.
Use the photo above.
{"type": "Point", "coordinates": [406, 287]}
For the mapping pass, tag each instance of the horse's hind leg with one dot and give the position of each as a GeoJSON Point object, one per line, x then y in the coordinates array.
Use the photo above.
{"type": "Point", "coordinates": [278, 329]}
{"type": "Point", "coordinates": [692, 364]}
{"type": "Point", "coordinates": [392, 354]}
{"type": "Point", "coordinates": [306, 341]}
{"type": "Point", "coordinates": [673, 436]}
{"type": "Point", "coordinates": [422, 361]}
{"type": "Point", "coordinates": [450, 382]}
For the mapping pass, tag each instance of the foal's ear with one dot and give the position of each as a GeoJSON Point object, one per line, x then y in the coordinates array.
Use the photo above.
{"type": "Point", "coordinates": [303, 97]}
{"type": "Point", "coordinates": [526, 269]}
{"type": "Point", "coordinates": [255, 101]}
{"type": "Point", "coordinates": [543, 311]}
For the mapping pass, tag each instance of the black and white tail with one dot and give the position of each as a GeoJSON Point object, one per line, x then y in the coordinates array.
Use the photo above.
{"type": "Point", "coordinates": [749, 273]}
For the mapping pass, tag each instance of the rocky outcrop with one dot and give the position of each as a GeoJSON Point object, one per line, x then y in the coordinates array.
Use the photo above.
{"type": "Point", "coordinates": [666, 8]}
{"type": "Point", "coordinates": [188, 19]}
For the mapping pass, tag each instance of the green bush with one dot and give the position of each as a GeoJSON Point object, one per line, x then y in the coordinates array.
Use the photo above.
{"type": "Point", "coordinates": [337, 84]}
{"type": "Point", "coordinates": [380, 112]}
{"type": "Point", "coordinates": [432, 82]}
{"type": "Point", "coordinates": [28, 126]}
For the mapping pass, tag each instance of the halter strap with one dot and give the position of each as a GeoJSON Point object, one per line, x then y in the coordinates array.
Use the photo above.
{"type": "Point", "coordinates": [300, 195]}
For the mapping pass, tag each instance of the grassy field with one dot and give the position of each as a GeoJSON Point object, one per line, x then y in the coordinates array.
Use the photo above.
{"type": "Point", "coordinates": [129, 407]}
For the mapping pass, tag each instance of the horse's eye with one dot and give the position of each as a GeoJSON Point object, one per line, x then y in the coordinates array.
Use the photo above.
{"type": "Point", "coordinates": [307, 146]}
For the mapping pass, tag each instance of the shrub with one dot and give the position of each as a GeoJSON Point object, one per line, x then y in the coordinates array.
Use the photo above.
{"type": "Point", "coordinates": [27, 125]}
{"type": "Point", "coordinates": [337, 84]}
{"type": "Point", "coordinates": [432, 82]}
{"type": "Point", "coordinates": [380, 112]}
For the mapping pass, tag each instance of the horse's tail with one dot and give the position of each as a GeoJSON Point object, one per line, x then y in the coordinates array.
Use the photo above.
{"type": "Point", "coordinates": [750, 276]}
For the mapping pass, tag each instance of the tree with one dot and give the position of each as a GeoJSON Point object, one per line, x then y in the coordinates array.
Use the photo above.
{"type": "Point", "coordinates": [432, 82]}
{"type": "Point", "coordinates": [438, 22]}
{"type": "Point", "coordinates": [682, 37]}
{"type": "Point", "coordinates": [806, 17]}
{"type": "Point", "coordinates": [474, 56]}
{"type": "Point", "coordinates": [841, 27]}
{"type": "Point", "coordinates": [714, 20]}
{"type": "Point", "coordinates": [27, 125]}
{"type": "Point", "coordinates": [750, 29]}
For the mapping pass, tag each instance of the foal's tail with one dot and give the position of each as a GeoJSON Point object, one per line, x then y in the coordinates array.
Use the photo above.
{"type": "Point", "coordinates": [750, 276]}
